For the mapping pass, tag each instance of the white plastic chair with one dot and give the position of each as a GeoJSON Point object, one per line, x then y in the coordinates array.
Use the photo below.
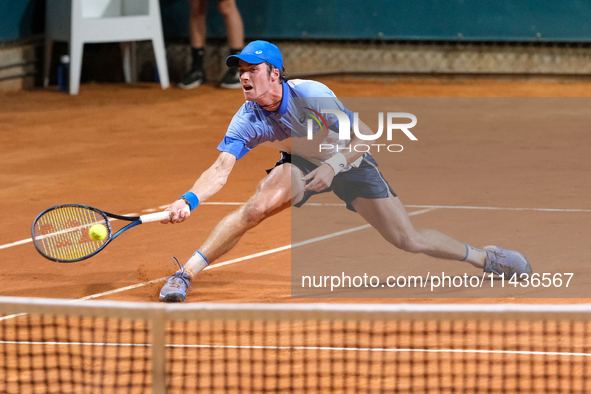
{"type": "Point", "coordinates": [92, 21]}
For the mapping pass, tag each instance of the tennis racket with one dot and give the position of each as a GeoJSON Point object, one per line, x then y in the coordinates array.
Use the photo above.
{"type": "Point", "coordinates": [61, 233]}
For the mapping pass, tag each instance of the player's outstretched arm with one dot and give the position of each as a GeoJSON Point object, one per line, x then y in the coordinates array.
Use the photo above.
{"type": "Point", "coordinates": [209, 183]}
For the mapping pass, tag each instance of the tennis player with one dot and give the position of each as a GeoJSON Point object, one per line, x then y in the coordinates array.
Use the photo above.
{"type": "Point", "coordinates": [269, 117]}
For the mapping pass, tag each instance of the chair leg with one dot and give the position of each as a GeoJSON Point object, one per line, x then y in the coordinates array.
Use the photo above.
{"type": "Point", "coordinates": [160, 54]}
{"type": "Point", "coordinates": [133, 61]}
{"type": "Point", "coordinates": [47, 61]}
{"type": "Point", "coordinates": [76, 50]}
{"type": "Point", "coordinates": [126, 55]}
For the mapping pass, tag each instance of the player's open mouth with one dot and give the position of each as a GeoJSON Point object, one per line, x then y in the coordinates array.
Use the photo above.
{"type": "Point", "coordinates": [247, 88]}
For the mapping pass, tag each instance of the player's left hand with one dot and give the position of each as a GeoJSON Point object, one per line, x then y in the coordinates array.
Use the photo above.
{"type": "Point", "coordinates": [321, 178]}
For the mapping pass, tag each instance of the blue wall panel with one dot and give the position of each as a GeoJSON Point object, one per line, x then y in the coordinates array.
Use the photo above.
{"type": "Point", "coordinates": [495, 20]}
{"type": "Point", "coordinates": [505, 20]}
{"type": "Point", "coordinates": [21, 18]}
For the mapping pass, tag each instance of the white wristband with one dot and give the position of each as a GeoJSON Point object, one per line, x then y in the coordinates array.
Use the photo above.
{"type": "Point", "coordinates": [337, 162]}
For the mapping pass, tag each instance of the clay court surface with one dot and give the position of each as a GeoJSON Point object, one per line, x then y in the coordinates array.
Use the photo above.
{"type": "Point", "coordinates": [135, 148]}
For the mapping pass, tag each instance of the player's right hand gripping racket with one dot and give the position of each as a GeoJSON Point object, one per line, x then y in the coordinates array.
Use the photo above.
{"type": "Point", "coordinates": [61, 233]}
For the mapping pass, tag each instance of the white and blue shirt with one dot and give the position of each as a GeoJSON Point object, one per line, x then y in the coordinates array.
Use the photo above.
{"type": "Point", "coordinates": [286, 128]}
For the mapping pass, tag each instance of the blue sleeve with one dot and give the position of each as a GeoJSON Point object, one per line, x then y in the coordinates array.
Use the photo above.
{"type": "Point", "coordinates": [349, 113]}
{"type": "Point", "coordinates": [234, 146]}
{"type": "Point", "coordinates": [324, 97]}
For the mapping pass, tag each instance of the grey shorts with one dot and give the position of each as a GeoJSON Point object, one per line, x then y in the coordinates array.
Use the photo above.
{"type": "Point", "coordinates": [365, 181]}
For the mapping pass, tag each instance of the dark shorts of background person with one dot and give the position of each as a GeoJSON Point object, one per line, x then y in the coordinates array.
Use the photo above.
{"type": "Point", "coordinates": [365, 181]}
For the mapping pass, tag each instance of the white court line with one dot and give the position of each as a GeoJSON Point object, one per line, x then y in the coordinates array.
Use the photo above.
{"type": "Point", "coordinates": [249, 257]}
{"type": "Point", "coordinates": [427, 208]}
{"type": "Point", "coordinates": [312, 204]}
{"type": "Point", "coordinates": [24, 241]}
{"type": "Point", "coordinates": [315, 204]}
{"type": "Point", "coordinates": [467, 207]}
{"type": "Point", "coordinates": [346, 349]}
{"type": "Point", "coordinates": [498, 208]}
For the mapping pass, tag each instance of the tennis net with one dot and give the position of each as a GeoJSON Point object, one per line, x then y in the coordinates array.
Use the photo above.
{"type": "Point", "coordinates": [60, 346]}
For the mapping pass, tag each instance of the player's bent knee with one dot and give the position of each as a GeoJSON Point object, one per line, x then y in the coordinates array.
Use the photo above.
{"type": "Point", "coordinates": [408, 243]}
{"type": "Point", "coordinates": [265, 202]}
{"type": "Point", "coordinates": [275, 189]}
{"type": "Point", "coordinates": [278, 178]}
{"type": "Point", "coordinates": [254, 213]}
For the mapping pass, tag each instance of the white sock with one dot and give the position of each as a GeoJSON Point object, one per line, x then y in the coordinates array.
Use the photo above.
{"type": "Point", "coordinates": [196, 264]}
{"type": "Point", "coordinates": [475, 256]}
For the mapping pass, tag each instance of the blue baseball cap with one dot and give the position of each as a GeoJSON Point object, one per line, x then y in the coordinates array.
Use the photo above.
{"type": "Point", "coordinates": [258, 52]}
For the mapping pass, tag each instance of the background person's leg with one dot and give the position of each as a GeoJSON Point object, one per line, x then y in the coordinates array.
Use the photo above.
{"type": "Point", "coordinates": [197, 32]}
{"type": "Point", "coordinates": [198, 23]}
{"type": "Point", "coordinates": [233, 21]}
{"type": "Point", "coordinates": [235, 33]}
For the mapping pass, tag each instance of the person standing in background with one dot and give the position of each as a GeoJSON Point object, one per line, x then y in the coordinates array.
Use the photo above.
{"type": "Point", "coordinates": [197, 30]}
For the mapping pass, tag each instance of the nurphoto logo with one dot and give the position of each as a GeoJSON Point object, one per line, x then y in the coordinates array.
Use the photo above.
{"type": "Point", "coordinates": [345, 129]}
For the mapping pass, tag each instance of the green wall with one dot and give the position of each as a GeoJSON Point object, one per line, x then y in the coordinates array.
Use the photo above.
{"type": "Point", "coordinates": [494, 20]}
{"type": "Point", "coordinates": [21, 19]}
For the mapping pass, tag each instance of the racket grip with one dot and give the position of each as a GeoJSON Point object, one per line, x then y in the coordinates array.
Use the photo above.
{"type": "Point", "coordinates": [155, 217]}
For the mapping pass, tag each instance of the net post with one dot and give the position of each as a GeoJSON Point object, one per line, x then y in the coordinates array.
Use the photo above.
{"type": "Point", "coordinates": [158, 340]}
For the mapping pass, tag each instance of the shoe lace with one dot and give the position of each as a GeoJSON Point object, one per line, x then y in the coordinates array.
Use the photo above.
{"type": "Point", "coordinates": [500, 266]}
{"type": "Point", "coordinates": [180, 274]}
{"type": "Point", "coordinates": [498, 254]}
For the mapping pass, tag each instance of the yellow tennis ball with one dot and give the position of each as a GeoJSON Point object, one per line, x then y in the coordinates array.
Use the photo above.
{"type": "Point", "coordinates": [98, 232]}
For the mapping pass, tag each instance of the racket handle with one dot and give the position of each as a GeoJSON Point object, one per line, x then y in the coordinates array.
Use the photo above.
{"type": "Point", "coordinates": [155, 217]}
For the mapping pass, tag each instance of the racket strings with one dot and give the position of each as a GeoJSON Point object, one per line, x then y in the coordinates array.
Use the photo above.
{"type": "Point", "coordinates": [62, 233]}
